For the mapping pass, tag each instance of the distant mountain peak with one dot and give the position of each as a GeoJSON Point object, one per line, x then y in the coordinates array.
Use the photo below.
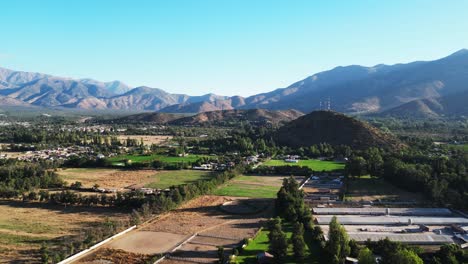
{"type": "Point", "coordinates": [460, 52]}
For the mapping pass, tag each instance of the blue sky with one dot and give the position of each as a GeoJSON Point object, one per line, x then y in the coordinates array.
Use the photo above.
{"type": "Point", "coordinates": [227, 47]}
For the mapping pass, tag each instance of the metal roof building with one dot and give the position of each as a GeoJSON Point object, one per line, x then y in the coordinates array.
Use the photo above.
{"type": "Point", "coordinates": [383, 211]}
{"type": "Point", "coordinates": [390, 220]}
{"type": "Point", "coordinates": [416, 239]}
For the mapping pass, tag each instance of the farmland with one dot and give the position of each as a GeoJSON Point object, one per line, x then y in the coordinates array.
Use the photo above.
{"type": "Point", "coordinates": [147, 139]}
{"type": "Point", "coordinates": [25, 226]}
{"type": "Point", "coordinates": [316, 165]}
{"type": "Point", "coordinates": [119, 160]}
{"type": "Point", "coordinates": [366, 188]}
{"type": "Point", "coordinates": [252, 186]}
{"type": "Point", "coordinates": [166, 179]}
{"type": "Point", "coordinates": [115, 178]}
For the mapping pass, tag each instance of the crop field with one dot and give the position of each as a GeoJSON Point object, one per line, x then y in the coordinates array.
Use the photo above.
{"type": "Point", "coordinates": [316, 165]}
{"type": "Point", "coordinates": [166, 179]}
{"type": "Point", "coordinates": [25, 226]}
{"type": "Point", "coordinates": [116, 178]}
{"type": "Point", "coordinates": [147, 139]}
{"type": "Point", "coordinates": [252, 186]}
{"type": "Point", "coordinates": [366, 188]}
{"type": "Point", "coordinates": [119, 160]}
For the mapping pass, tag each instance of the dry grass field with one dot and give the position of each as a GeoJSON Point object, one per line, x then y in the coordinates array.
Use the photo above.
{"type": "Point", "coordinates": [366, 188]}
{"type": "Point", "coordinates": [107, 178]}
{"type": "Point", "coordinates": [25, 226]}
{"type": "Point", "coordinates": [116, 178]}
{"type": "Point", "coordinates": [147, 140]}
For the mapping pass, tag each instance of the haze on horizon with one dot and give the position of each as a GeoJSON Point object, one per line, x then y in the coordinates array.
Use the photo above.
{"type": "Point", "coordinates": [228, 48]}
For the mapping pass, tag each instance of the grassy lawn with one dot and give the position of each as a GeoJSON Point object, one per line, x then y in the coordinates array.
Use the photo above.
{"type": "Point", "coordinates": [252, 186]}
{"type": "Point", "coordinates": [261, 243]}
{"type": "Point", "coordinates": [245, 190]}
{"type": "Point", "coordinates": [166, 179]}
{"type": "Point", "coordinates": [316, 165]}
{"type": "Point", "coordinates": [149, 158]}
{"type": "Point", "coordinates": [368, 188]}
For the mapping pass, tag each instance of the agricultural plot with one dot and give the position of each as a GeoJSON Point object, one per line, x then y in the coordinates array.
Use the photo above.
{"type": "Point", "coordinates": [121, 159]}
{"type": "Point", "coordinates": [253, 186]}
{"type": "Point", "coordinates": [316, 165]}
{"type": "Point", "coordinates": [366, 188]}
{"type": "Point", "coordinates": [147, 139]}
{"type": "Point", "coordinates": [25, 226]}
{"type": "Point", "coordinates": [166, 179]}
{"type": "Point", "coordinates": [116, 178]}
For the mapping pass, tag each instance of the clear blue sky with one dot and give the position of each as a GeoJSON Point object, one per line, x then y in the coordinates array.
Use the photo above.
{"type": "Point", "coordinates": [225, 47]}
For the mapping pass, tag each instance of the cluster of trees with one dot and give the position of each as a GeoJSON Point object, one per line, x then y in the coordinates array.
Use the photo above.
{"type": "Point", "coordinates": [284, 170]}
{"type": "Point", "coordinates": [18, 177]}
{"type": "Point", "coordinates": [290, 204]}
{"type": "Point", "coordinates": [442, 178]}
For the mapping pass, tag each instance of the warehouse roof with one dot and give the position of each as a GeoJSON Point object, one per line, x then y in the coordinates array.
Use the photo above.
{"type": "Point", "coordinates": [383, 211]}
{"type": "Point", "coordinates": [390, 220]}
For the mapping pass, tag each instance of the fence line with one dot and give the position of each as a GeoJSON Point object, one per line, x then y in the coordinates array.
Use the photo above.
{"type": "Point", "coordinates": [86, 251]}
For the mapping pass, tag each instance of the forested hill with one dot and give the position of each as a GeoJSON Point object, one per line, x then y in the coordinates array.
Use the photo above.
{"type": "Point", "coordinates": [335, 129]}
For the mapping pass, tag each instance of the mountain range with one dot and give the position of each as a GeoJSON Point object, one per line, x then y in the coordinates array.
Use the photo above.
{"type": "Point", "coordinates": [429, 86]}
{"type": "Point", "coordinates": [218, 117]}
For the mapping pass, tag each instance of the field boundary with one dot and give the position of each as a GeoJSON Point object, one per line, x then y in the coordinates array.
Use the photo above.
{"type": "Point", "coordinates": [86, 251]}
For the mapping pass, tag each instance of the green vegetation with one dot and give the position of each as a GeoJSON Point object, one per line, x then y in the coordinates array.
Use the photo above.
{"type": "Point", "coordinates": [251, 186]}
{"type": "Point", "coordinates": [166, 179]}
{"type": "Point", "coordinates": [261, 243]}
{"type": "Point", "coordinates": [242, 190]}
{"type": "Point", "coordinates": [148, 158]}
{"type": "Point", "coordinates": [316, 165]}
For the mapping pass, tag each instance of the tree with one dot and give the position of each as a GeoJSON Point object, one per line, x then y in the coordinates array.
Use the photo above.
{"type": "Point", "coordinates": [357, 166]}
{"type": "Point", "coordinates": [365, 256]}
{"type": "Point", "coordinates": [354, 248]}
{"type": "Point", "coordinates": [278, 240]}
{"type": "Point", "coordinates": [406, 256]}
{"type": "Point", "coordinates": [221, 255]}
{"type": "Point", "coordinates": [44, 254]}
{"type": "Point", "coordinates": [298, 241]}
{"type": "Point", "coordinates": [338, 242]}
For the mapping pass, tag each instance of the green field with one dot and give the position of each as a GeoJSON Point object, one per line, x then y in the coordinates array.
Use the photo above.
{"type": "Point", "coordinates": [166, 179]}
{"type": "Point", "coordinates": [148, 158]}
{"type": "Point", "coordinates": [260, 244]}
{"type": "Point", "coordinates": [251, 186]}
{"type": "Point", "coordinates": [316, 165]}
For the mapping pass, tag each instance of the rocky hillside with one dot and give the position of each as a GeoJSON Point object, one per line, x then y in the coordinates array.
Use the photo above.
{"type": "Point", "coordinates": [454, 105]}
{"type": "Point", "coordinates": [226, 117]}
{"type": "Point", "coordinates": [157, 118]}
{"type": "Point", "coordinates": [333, 128]}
